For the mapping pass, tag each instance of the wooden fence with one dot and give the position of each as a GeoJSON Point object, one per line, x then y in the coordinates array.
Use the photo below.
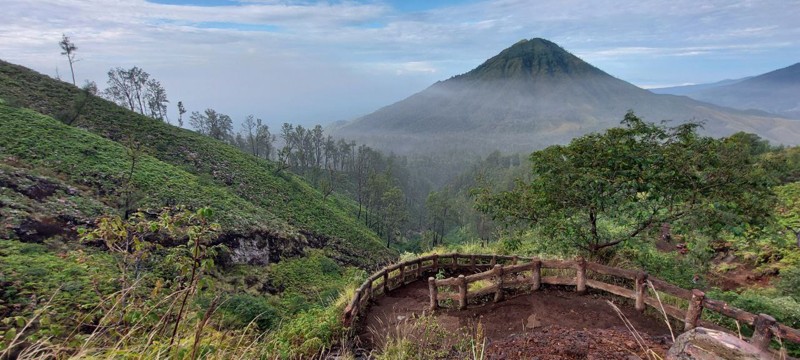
{"type": "Point", "coordinates": [504, 273]}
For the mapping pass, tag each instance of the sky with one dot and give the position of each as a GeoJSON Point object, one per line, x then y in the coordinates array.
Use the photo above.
{"type": "Point", "coordinates": [309, 62]}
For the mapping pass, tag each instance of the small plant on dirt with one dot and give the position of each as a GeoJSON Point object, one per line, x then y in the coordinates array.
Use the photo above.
{"type": "Point", "coordinates": [478, 343]}
{"type": "Point", "coordinates": [421, 338]}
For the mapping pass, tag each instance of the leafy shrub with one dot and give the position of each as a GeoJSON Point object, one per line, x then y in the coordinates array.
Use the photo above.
{"type": "Point", "coordinates": [241, 309]}
{"type": "Point", "coordinates": [789, 282]}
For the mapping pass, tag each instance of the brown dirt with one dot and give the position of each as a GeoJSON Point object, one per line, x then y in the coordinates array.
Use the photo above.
{"type": "Point", "coordinates": [550, 323]}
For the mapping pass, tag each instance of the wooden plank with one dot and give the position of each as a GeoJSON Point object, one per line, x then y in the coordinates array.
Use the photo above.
{"type": "Point", "coordinates": [555, 280]}
{"type": "Point", "coordinates": [426, 257]}
{"type": "Point", "coordinates": [558, 264]}
{"type": "Point", "coordinates": [447, 282]}
{"type": "Point", "coordinates": [616, 290]}
{"type": "Point", "coordinates": [447, 296]}
{"type": "Point", "coordinates": [670, 289]}
{"type": "Point", "coordinates": [669, 309]}
{"type": "Point", "coordinates": [377, 275]}
{"type": "Point", "coordinates": [513, 269]}
{"type": "Point", "coordinates": [480, 276]}
{"type": "Point", "coordinates": [730, 311]}
{"type": "Point", "coordinates": [786, 333]}
{"type": "Point", "coordinates": [490, 289]}
{"type": "Point", "coordinates": [607, 270]}
{"type": "Point", "coordinates": [516, 283]}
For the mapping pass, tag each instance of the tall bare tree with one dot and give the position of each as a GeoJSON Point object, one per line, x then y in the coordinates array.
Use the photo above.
{"type": "Point", "coordinates": [69, 49]}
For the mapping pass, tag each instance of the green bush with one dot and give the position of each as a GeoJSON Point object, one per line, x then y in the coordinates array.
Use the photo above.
{"type": "Point", "coordinates": [241, 309]}
{"type": "Point", "coordinates": [789, 282]}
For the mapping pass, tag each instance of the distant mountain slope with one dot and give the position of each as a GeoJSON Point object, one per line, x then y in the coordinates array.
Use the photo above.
{"type": "Point", "coordinates": [531, 95]}
{"type": "Point", "coordinates": [777, 92]}
{"type": "Point", "coordinates": [687, 90]}
{"type": "Point", "coordinates": [265, 213]}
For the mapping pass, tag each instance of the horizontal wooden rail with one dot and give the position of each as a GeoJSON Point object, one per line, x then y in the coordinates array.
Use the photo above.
{"type": "Point", "coordinates": [503, 273]}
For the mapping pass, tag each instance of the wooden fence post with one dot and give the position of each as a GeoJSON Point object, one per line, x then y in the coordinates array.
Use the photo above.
{"type": "Point", "coordinates": [402, 274]}
{"type": "Point", "coordinates": [641, 290]}
{"type": "Point", "coordinates": [498, 273]}
{"type": "Point", "coordinates": [455, 261]}
{"type": "Point", "coordinates": [536, 275]}
{"type": "Point", "coordinates": [385, 281]}
{"type": "Point", "coordinates": [472, 262]}
{"type": "Point", "coordinates": [368, 293]}
{"type": "Point", "coordinates": [462, 292]}
{"type": "Point", "coordinates": [434, 292]}
{"type": "Point", "coordinates": [435, 265]}
{"type": "Point", "coordinates": [514, 260]}
{"type": "Point", "coordinates": [762, 334]}
{"type": "Point", "coordinates": [418, 273]}
{"type": "Point", "coordinates": [580, 277]}
{"type": "Point", "coordinates": [494, 261]}
{"type": "Point", "coordinates": [695, 310]}
{"type": "Point", "coordinates": [356, 304]}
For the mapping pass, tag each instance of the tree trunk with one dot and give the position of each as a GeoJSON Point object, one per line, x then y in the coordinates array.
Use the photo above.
{"type": "Point", "coordinates": [72, 71]}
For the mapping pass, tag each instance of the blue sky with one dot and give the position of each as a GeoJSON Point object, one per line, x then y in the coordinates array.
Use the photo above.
{"type": "Point", "coordinates": [307, 61]}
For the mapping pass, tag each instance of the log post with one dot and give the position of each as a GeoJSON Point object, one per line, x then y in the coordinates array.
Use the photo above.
{"type": "Point", "coordinates": [434, 292]}
{"type": "Point", "coordinates": [762, 334]}
{"type": "Point", "coordinates": [368, 291]}
{"type": "Point", "coordinates": [385, 281]}
{"type": "Point", "coordinates": [494, 260]}
{"type": "Point", "coordinates": [418, 273]}
{"type": "Point", "coordinates": [462, 292]}
{"type": "Point", "coordinates": [435, 265]}
{"type": "Point", "coordinates": [472, 262]}
{"type": "Point", "coordinates": [455, 261]}
{"type": "Point", "coordinates": [536, 275]}
{"type": "Point", "coordinates": [356, 304]}
{"type": "Point", "coordinates": [514, 260]}
{"type": "Point", "coordinates": [580, 277]}
{"type": "Point", "coordinates": [498, 273]}
{"type": "Point", "coordinates": [402, 274]}
{"type": "Point", "coordinates": [641, 290]}
{"type": "Point", "coordinates": [695, 310]}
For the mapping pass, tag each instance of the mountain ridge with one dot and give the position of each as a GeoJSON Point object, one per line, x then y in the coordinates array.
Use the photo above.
{"type": "Point", "coordinates": [531, 95]}
{"type": "Point", "coordinates": [777, 92]}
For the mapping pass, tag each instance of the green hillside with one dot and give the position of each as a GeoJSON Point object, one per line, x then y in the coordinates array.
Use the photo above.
{"type": "Point", "coordinates": [182, 167]}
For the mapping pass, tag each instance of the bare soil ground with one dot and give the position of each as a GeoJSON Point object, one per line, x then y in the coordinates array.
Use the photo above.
{"type": "Point", "coordinates": [554, 323]}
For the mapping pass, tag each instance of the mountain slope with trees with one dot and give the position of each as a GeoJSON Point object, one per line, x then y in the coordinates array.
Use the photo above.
{"type": "Point", "coordinates": [535, 94]}
{"type": "Point", "coordinates": [279, 197]}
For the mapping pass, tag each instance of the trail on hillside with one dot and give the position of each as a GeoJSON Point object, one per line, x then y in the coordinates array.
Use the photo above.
{"type": "Point", "coordinates": [552, 324]}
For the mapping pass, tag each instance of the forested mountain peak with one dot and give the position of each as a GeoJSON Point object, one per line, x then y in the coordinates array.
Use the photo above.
{"type": "Point", "coordinates": [531, 95]}
{"type": "Point", "coordinates": [532, 59]}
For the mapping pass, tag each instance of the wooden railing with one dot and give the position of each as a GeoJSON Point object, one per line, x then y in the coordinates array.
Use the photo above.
{"type": "Point", "coordinates": [505, 273]}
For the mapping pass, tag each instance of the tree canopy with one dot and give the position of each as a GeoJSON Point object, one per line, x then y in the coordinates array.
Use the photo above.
{"type": "Point", "coordinates": [604, 189]}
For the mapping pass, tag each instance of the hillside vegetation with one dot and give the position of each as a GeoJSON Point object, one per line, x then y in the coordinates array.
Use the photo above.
{"type": "Point", "coordinates": [123, 236]}
{"type": "Point", "coordinates": [283, 204]}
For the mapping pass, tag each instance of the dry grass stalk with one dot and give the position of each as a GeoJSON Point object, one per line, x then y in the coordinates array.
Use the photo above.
{"type": "Point", "coordinates": [663, 312]}
{"type": "Point", "coordinates": [649, 353]}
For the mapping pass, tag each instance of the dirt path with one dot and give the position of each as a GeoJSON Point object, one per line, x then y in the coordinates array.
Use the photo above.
{"type": "Point", "coordinates": [546, 312]}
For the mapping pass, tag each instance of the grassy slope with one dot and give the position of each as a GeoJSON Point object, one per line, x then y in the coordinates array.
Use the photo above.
{"type": "Point", "coordinates": [276, 200]}
{"type": "Point", "coordinates": [87, 160]}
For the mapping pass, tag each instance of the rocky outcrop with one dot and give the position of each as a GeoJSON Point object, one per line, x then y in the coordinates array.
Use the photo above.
{"type": "Point", "coordinates": [707, 344]}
